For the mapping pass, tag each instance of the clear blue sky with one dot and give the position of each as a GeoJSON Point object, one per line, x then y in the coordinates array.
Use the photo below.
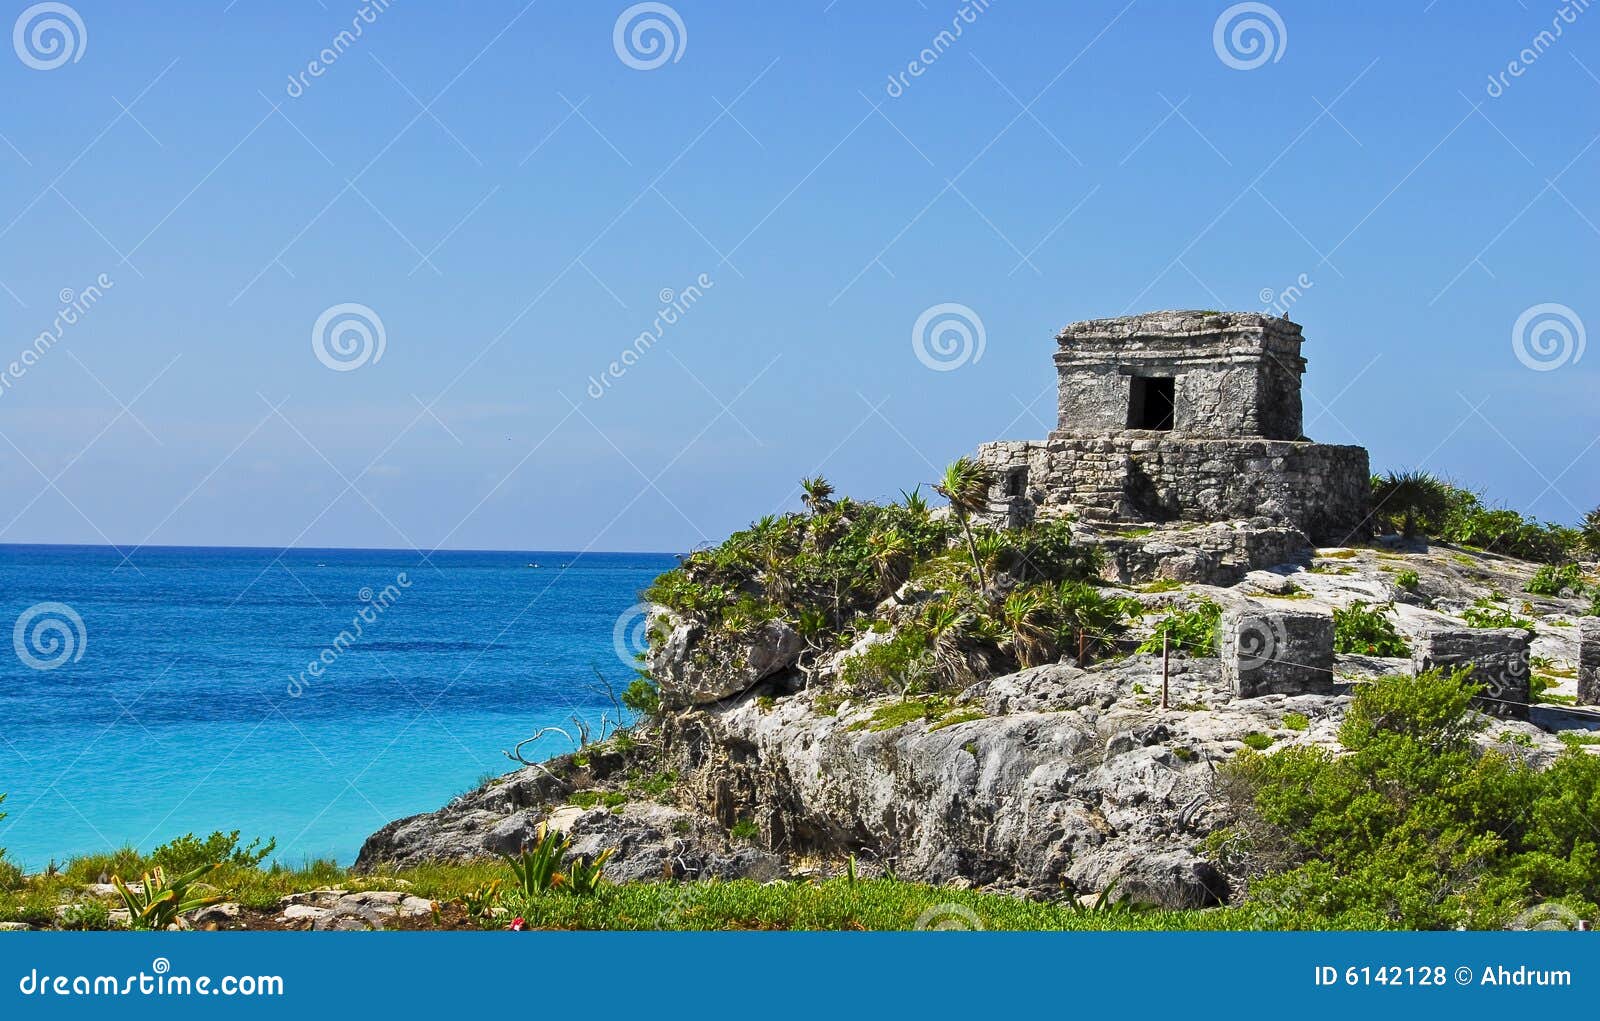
{"type": "Point", "coordinates": [1056, 162]}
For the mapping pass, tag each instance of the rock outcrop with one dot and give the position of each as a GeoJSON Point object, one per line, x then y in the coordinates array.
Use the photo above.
{"type": "Point", "coordinates": [1046, 782]}
{"type": "Point", "coordinates": [694, 667]}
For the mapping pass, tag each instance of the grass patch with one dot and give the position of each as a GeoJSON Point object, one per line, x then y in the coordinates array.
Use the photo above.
{"type": "Point", "coordinates": [1258, 741]}
{"type": "Point", "coordinates": [1161, 585]}
{"type": "Point", "coordinates": [1296, 721]}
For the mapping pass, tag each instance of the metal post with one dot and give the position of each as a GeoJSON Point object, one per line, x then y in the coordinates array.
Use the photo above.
{"type": "Point", "coordinates": [1165, 640]}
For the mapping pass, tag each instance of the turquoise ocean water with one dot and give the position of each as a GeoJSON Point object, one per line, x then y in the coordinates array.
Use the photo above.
{"type": "Point", "coordinates": [144, 699]}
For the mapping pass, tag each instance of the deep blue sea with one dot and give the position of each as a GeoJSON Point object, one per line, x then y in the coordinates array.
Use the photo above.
{"type": "Point", "coordinates": [171, 708]}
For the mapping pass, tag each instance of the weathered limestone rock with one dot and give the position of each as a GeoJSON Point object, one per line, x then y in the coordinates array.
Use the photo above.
{"type": "Point", "coordinates": [1268, 651]}
{"type": "Point", "coordinates": [1589, 660]}
{"type": "Point", "coordinates": [1499, 661]}
{"type": "Point", "coordinates": [1220, 554]}
{"type": "Point", "coordinates": [695, 667]}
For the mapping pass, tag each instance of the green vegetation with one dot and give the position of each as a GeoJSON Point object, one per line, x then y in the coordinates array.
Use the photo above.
{"type": "Point", "coordinates": [1258, 741]}
{"type": "Point", "coordinates": [541, 868]}
{"type": "Point", "coordinates": [1539, 686]}
{"type": "Point", "coordinates": [1296, 721]}
{"type": "Point", "coordinates": [1417, 503]}
{"type": "Point", "coordinates": [1193, 630]}
{"type": "Point", "coordinates": [1407, 580]}
{"type": "Point", "coordinates": [965, 484]}
{"type": "Point", "coordinates": [187, 853]}
{"type": "Point", "coordinates": [1589, 533]}
{"type": "Point", "coordinates": [745, 829]}
{"type": "Point", "coordinates": [1413, 826]}
{"type": "Point", "coordinates": [1552, 580]}
{"type": "Point", "coordinates": [981, 600]}
{"type": "Point", "coordinates": [156, 901]}
{"type": "Point", "coordinates": [642, 697]}
{"type": "Point", "coordinates": [1367, 631]}
{"type": "Point", "coordinates": [1486, 613]}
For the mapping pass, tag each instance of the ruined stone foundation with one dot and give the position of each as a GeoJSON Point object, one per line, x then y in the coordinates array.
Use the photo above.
{"type": "Point", "coordinates": [1321, 489]}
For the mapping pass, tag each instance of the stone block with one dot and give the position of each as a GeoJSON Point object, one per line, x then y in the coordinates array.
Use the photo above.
{"type": "Point", "coordinates": [1268, 651]}
{"type": "Point", "coordinates": [1589, 661]}
{"type": "Point", "coordinates": [1498, 658]}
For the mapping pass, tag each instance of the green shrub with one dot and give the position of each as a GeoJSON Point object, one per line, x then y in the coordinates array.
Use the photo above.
{"type": "Point", "coordinates": [1407, 580]}
{"type": "Point", "coordinates": [1258, 741]}
{"type": "Point", "coordinates": [1552, 580]}
{"type": "Point", "coordinates": [744, 829]}
{"type": "Point", "coordinates": [900, 664]}
{"type": "Point", "coordinates": [643, 696]}
{"type": "Point", "coordinates": [1413, 826]}
{"type": "Point", "coordinates": [1367, 631]}
{"type": "Point", "coordinates": [188, 852]}
{"type": "Point", "coordinates": [1296, 721]}
{"type": "Point", "coordinates": [1417, 503]}
{"type": "Point", "coordinates": [1193, 630]}
{"type": "Point", "coordinates": [1484, 613]}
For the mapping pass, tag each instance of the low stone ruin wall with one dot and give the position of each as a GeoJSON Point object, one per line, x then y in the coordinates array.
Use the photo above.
{"type": "Point", "coordinates": [1321, 489]}
{"type": "Point", "coordinates": [1267, 651]}
{"type": "Point", "coordinates": [1499, 661]}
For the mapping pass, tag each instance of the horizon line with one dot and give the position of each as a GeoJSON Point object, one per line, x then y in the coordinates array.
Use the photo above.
{"type": "Point", "coordinates": [130, 551]}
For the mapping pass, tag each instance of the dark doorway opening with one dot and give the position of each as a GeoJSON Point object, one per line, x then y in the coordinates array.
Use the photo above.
{"type": "Point", "coordinates": [1151, 402]}
{"type": "Point", "coordinates": [1017, 482]}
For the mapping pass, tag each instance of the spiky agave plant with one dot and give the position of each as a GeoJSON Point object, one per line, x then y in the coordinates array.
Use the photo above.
{"type": "Point", "coordinates": [159, 901]}
{"type": "Point", "coordinates": [1418, 499]}
{"type": "Point", "coordinates": [914, 501]}
{"type": "Point", "coordinates": [965, 483]}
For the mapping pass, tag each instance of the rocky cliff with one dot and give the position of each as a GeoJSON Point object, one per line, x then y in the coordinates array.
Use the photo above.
{"type": "Point", "coordinates": [784, 748]}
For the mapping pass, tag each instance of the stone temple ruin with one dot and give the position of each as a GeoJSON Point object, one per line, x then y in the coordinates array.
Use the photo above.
{"type": "Point", "coordinates": [1192, 422]}
{"type": "Point", "coordinates": [1182, 416]}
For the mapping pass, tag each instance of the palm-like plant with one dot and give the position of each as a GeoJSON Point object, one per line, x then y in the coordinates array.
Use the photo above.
{"type": "Point", "coordinates": [818, 494]}
{"type": "Point", "coordinates": [1419, 500]}
{"type": "Point", "coordinates": [891, 558]}
{"type": "Point", "coordinates": [1030, 625]}
{"type": "Point", "coordinates": [965, 484]}
{"type": "Point", "coordinates": [1088, 620]}
{"type": "Point", "coordinates": [1589, 532]}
